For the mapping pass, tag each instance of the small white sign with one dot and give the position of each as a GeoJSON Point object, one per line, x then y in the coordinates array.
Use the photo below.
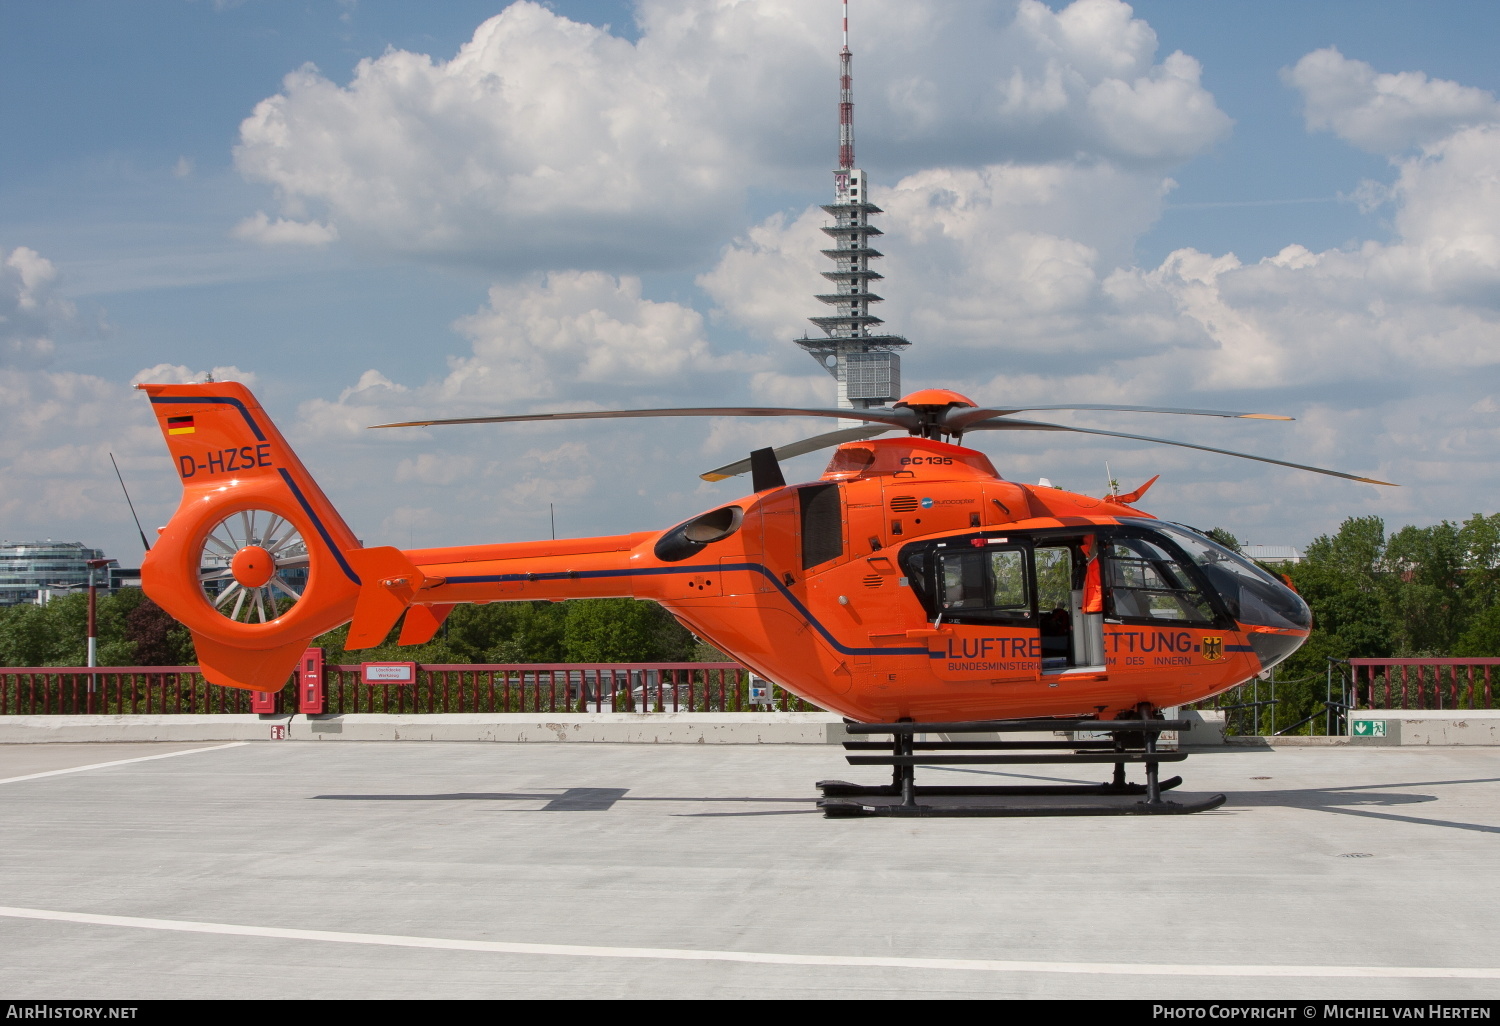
{"type": "Point", "coordinates": [388, 673]}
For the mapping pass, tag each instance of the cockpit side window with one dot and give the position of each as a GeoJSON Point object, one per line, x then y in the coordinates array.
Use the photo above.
{"type": "Point", "coordinates": [1146, 582]}
{"type": "Point", "coordinates": [1055, 573]}
{"type": "Point", "coordinates": [992, 584]}
{"type": "Point", "coordinates": [1009, 593]}
{"type": "Point", "coordinates": [961, 581]}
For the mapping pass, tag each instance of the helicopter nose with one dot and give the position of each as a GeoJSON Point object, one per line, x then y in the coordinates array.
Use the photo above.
{"type": "Point", "coordinates": [1275, 637]}
{"type": "Point", "coordinates": [1272, 647]}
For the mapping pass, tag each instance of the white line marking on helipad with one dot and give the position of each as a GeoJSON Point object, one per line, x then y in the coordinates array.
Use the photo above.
{"type": "Point", "coordinates": [120, 762]}
{"type": "Point", "coordinates": [762, 957]}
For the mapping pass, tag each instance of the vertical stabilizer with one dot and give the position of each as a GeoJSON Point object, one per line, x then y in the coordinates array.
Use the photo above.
{"type": "Point", "coordinates": [256, 561]}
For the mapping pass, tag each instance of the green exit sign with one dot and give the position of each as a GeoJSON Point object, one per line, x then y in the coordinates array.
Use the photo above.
{"type": "Point", "coordinates": [1368, 728]}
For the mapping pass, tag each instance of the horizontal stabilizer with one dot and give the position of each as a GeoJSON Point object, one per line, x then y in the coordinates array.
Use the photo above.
{"type": "Point", "coordinates": [422, 623]}
{"type": "Point", "coordinates": [389, 583]}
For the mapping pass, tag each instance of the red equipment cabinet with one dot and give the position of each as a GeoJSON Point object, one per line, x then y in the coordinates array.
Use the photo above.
{"type": "Point", "coordinates": [263, 702]}
{"type": "Point", "coordinates": [310, 697]}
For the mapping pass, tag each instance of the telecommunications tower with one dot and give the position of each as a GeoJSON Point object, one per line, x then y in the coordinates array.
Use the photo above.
{"type": "Point", "coordinates": [866, 366]}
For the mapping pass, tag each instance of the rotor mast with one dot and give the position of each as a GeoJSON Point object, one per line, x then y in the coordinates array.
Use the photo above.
{"type": "Point", "coordinates": [866, 366]}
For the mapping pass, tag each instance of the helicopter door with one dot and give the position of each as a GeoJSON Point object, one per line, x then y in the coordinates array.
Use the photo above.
{"type": "Point", "coordinates": [1070, 620]}
{"type": "Point", "coordinates": [982, 603]}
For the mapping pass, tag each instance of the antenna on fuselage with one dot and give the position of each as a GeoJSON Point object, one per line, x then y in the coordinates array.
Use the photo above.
{"type": "Point", "coordinates": [137, 519]}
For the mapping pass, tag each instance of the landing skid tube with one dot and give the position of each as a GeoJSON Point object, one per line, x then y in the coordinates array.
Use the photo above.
{"type": "Point", "coordinates": [1133, 741]}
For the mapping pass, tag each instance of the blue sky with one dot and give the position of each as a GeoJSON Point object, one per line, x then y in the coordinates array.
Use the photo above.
{"type": "Point", "coordinates": [127, 170]}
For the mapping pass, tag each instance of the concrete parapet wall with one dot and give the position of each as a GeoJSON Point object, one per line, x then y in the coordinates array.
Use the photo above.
{"type": "Point", "coordinates": [1429, 726]}
{"type": "Point", "coordinates": [1206, 730]}
{"type": "Point", "coordinates": [1403, 727]}
{"type": "Point", "coordinates": [632, 728]}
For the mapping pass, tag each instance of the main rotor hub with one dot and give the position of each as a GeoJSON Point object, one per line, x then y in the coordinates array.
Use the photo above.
{"type": "Point", "coordinates": [930, 405]}
{"type": "Point", "coordinates": [253, 567]}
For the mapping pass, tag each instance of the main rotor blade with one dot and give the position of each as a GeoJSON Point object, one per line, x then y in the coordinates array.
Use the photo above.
{"type": "Point", "coordinates": [1033, 425]}
{"type": "Point", "coordinates": [806, 445]}
{"type": "Point", "coordinates": [893, 418]}
{"type": "Point", "coordinates": [962, 418]}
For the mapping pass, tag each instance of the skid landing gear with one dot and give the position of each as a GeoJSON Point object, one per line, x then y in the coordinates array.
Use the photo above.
{"type": "Point", "coordinates": [1132, 741]}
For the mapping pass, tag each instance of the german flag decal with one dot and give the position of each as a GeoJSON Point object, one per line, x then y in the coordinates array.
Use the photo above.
{"type": "Point", "coordinates": [180, 425]}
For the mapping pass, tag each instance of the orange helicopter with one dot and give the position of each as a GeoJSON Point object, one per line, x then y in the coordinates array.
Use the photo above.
{"type": "Point", "coordinates": [910, 583]}
{"type": "Point", "coordinates": [910, 580]}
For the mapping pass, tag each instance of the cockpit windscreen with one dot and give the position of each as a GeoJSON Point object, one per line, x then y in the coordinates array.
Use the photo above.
{"type": "Point", "coordinates": [1252, 595]}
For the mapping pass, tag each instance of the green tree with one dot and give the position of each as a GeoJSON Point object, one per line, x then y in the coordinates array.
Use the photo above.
{"type": "Point", "coordinates": [1480, 539]}
{"type": "Point", "coordinates": [616, 631]}
{"type": "Point", "coordinates": [1424, 567]}
{"type": "Point", "coordinates": [132, 631]}
{"type": "Point", "coordinates": [156, 638]}
{"type": "Point", "coordinates": [583, 630]}
{"type": "Point", "coordinates": [116, 647]}
{"type": "Point", "coordinates": [27, 635]}
{"type": "Point", "coordinates": [1224, 538]}
{"type": "Point", "coordinates": [70, 628]}
{"type": "Point", "coordinates": [1481, 636]}
{"type": "Point", "coordinates": [1341, 579]}
{"type": "Point", "coordinates": [528, 632]}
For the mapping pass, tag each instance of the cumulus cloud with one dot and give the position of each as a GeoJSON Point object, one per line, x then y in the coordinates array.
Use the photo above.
{"type": "Point", "coordinates": [576, 328]}
{"type": "Point", "coordinates": [31, 311]}
{"type": "Point", "coordinates": [181, 374]}
{"type": "Point", "coordinates": [1016, 283]}
{"type": "Point", "coordinates": [57, 430]}
{"type": "Point", "coordinates": [1035, 149]}
{"type": "Point", "coordinates": [1384, 112]}
{"type": "Point", "coordinates": [998, 258]}
{"type": "Point", "coordinates": [544, 141]}
{"type": "Point", "coordinates": [568, 337]}
{"type": "Point", "coordinates": [563, 341]}
{"type": "Point", "coordinates": [283, 231]}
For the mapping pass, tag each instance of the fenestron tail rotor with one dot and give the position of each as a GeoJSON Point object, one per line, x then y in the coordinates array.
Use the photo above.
{"type": "Point", "coordinates": [928, 413]}
{"type": "Point", "coordinates": [245, 558]}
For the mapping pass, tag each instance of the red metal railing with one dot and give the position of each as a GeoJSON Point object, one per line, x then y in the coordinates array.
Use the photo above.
{"type": "Point", "coordinates": [1427, 683]}
{"type": "Point", "coordinates": [439, 688]}
{"type": "Point", "coordinates": [553, 688]}
{"type": "Point", "coordinates": [43, 690]}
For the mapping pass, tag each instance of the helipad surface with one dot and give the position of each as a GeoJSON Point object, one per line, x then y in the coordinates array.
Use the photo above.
{"type": "Point", "coordinates": [546, 870]}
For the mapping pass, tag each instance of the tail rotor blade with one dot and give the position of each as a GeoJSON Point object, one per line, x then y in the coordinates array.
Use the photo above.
{"type": "Point", "coordinates": [806, 445]}
{"type": "Point", "coordinates": [1033, 425]}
